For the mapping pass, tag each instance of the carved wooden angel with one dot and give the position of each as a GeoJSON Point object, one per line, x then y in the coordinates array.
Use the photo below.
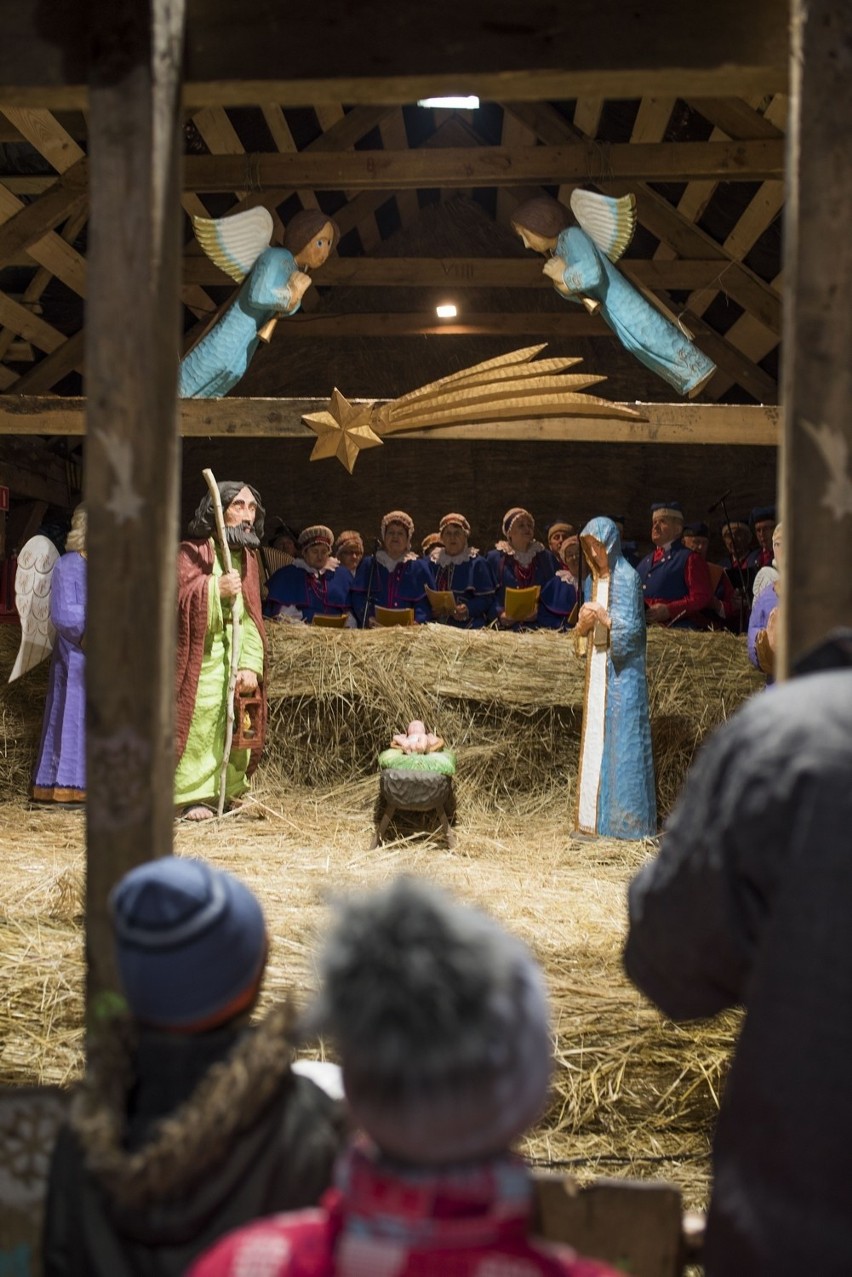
{"type": "Point", "coordinates": [50, 592]}
{"type": "Point", "coordinates": [582, 268]}
{"type": "Point", "coordinates": [272, 283]}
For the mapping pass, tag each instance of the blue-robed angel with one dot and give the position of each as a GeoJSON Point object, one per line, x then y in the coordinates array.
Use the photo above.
{"type": "Point", "coordinates": [615, 785]}
{"type": "Point", "coordinates": [582, 269]}
{"type": "Point", "coordinates": [272, 282]}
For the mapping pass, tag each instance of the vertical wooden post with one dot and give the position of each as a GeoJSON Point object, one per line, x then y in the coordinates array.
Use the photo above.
{"type": "Point", "coordinates": [816, 461]}
{"type": "Point", "coordinates": [132, 457]}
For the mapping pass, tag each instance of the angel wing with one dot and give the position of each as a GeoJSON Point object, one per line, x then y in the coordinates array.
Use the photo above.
{"type": "Point", "coordinates": [235, 243]}
{"type": "Point", "coordinates": [32, 596]}
{"type": "Point", "coordinates": [609, 222]}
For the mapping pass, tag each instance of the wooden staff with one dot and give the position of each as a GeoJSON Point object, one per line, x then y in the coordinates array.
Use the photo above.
{"type": "Point", "coordinates": [235, 634]}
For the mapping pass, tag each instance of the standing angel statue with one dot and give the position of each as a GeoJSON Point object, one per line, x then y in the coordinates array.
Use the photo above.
{"type": "Point", "coordinates": [272, 281]}
{"type": "Point", "coordinates": [50, 592]}
{"type": "Point", "coordinates": [582, 268]}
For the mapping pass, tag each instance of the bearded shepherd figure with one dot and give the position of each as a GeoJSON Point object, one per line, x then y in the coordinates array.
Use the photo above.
{"type": "Point", "coordinates": [208, 598]}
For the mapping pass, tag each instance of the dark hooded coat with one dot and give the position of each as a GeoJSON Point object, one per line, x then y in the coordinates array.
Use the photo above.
{"type": "Point", "coordinates": [174, 1140]}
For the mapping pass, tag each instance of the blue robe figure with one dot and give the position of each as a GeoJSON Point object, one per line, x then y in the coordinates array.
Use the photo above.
{"type": "Point", "coordinates": [298, 592]}
{"type": "Point", "coordinates": [615, 785]}
{"type": "Point", "coordinates": [518, 570]}
{"type": "Point", "coordinates": [223, 355]}
{"type": "Point", "coordinates": [582, 269]}
{"type": "Point", "coordinates": [240, 245]}
{"type": "Point", "coordinates": [654, 340]}
{"type": "Point", "coordinates": [557, 602]}
{"type": "Point", "coordinates": [469, 578]}
{"type": "Point", "coordinates": [381, 581]}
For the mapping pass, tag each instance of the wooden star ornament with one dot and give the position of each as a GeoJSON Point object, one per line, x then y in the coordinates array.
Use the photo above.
{"type": "Point", "coordinates": [506, 388]}
{"type": "Point", "coordinates": [342, 430]}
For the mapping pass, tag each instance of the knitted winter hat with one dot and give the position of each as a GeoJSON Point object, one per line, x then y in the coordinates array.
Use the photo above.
{"type": "Point", "coordinates": [317, 534]}
{"type": "Point", "coordinates": [398, 516]}
{"type": "Point", "coordinates": [511, 515]}
{"type": "Point", "coordinates": [441, 1020]}
{"type": "Point", "coordinates": [455, 520]}
{"type": "Point", "coordinates": [190, 943]}
{"type": "Point", "coordinates": [349, 540]}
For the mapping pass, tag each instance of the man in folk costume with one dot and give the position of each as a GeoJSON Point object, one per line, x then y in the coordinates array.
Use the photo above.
{"type": "Point", "coordinates": [723, 610]}
{"type": "Point", "coordinates": [675, 581]}
{"type": "Point", "coordinates": [519, 562]}
{"type": "Point", "coordinates": [763, 520]}
{"type": "Point", "coordinates": [314, 585]}
{"type": "Point", "coordinates": [393, 577]}
{"type": "Point", "coordinates": [615, 785]}
{"type": "Point", "coordinates": [463, 572]}
{"type": "Point", "coordinates": [208, 600]}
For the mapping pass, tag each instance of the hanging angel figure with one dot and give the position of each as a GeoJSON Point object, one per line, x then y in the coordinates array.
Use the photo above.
{"type": "Point", "coordinates": [581, 265]}
{"type": "Point", "coordinates": [272, 282]}
{"type": "Point", "coordinates": [50, 593]}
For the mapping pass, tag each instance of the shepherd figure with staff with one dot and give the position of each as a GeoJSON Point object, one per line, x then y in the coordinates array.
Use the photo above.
{"type": "Point", "coordinates": [221, 651]}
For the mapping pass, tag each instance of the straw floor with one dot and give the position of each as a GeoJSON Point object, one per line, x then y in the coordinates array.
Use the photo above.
{"type": "Point", "coordinates": [633, 1094]}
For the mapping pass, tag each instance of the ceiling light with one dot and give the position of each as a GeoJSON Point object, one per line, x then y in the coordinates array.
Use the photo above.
{"type": "Point", "coordinates": [457, 103]}
{"type": "Point", "coordinates": [447, 310]}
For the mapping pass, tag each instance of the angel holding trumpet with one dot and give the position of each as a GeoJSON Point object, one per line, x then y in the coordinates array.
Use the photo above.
{"type": "Point", "coordinates": [272, 282]}
{"type": "Point", "coordinates": [582, 267]}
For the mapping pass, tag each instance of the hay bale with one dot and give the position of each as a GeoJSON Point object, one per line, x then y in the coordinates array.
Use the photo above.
{"type": "Point", "coordinates": [510, 705]}
{"type": "Point", "coordinates": [633, 1093]}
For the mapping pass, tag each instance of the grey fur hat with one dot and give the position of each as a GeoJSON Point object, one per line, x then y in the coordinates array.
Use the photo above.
{"type": "Point", "coordinates": [441, 1020]}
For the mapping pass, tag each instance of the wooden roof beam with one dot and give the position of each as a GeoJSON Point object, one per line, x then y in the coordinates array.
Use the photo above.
{"type": "Point", "coordinates": [543, 52]}
{"type": "Point", "coordinates": [489, 166]}
{"type": "Point", "coordinates": [237, 418]}
{"type": "Point", "coordinates": [469, 272]}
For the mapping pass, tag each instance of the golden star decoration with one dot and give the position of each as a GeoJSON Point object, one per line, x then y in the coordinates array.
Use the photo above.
{"type": "Point", "coordinates": [343, 430]}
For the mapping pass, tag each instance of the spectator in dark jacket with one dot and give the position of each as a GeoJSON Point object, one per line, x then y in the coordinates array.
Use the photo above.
{"type": "Point", "coordinates": [748, 902]}
{"type": "Point", "coordinates": [187, 1122]}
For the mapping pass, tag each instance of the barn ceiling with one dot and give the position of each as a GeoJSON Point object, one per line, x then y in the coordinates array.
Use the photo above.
{"type": "Point", "coordinates": [423, 198]}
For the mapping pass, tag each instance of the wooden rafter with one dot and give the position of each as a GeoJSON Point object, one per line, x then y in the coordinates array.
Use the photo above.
{"type": "Point", "coordinates": [468, 272]}
{"type": "Point", "coordinates": [546, 52]}
{"type": "Point", "coordinates": [282, 418]}
{"type": "Point", "coordinates": [578, 161]}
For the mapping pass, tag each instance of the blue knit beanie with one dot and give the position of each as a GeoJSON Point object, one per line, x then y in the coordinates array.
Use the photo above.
{"type": "Point", "coordinates": [190, 943]}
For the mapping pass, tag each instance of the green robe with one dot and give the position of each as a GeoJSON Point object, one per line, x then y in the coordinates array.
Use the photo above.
{"type": "Point", "coordinates": [198, 772]}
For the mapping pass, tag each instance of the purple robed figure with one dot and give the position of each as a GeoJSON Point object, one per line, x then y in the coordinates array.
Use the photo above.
{"type": "Point", "coordinates": [60, 773]}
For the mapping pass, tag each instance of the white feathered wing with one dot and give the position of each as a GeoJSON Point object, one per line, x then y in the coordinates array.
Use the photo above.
{"type": "Point", "coordinates": [611, 223]}
{"type": "Point", "coordinates": [235, 243]}
{"type": "Point", "coordinates": [32, 597]}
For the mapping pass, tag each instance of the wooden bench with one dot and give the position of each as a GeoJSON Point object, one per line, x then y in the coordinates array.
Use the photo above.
{"type": "Point", "coordinates": [636, 1225]}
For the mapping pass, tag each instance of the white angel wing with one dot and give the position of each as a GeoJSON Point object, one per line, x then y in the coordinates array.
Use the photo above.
{"type": "Point", "coordinates": [32, 597]}
{"type": "Point", "coordinates": [609, 222]}
{"type": "Point", "coordinates": [235, 243]}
